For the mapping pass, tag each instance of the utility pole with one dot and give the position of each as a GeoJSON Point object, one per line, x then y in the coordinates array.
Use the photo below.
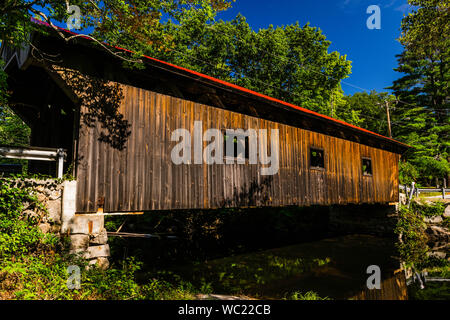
{"type": "Point", "coordinates": [388, 118]}
{"type": "Point", "coordinates": [332, 108]}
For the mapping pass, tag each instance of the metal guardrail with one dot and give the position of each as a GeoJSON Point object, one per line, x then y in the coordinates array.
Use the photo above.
{"type": "Point", "coordinates": [36, 153]}
{"type": "Point", "coordinates": [416, 191]}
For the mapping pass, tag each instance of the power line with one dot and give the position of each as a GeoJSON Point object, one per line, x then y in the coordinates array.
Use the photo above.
{"type": "Point", "coordinates": [289, 60]}
{"type": "Point", "coordinates": [240, 73]}
{"type": "Point", "coordinates": [394, 123]}
{"type": "Point", "coordinates": [269, 85]}
{"type": "Point", "coordinates": [305, 67]}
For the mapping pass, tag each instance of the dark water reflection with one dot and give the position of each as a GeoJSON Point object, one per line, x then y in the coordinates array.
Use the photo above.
{"type": "Point", "coordinates": [334, 268]}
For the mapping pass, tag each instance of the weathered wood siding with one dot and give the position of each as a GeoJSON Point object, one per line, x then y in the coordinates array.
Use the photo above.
{"type": "Point", "coordinates": [142, 176]}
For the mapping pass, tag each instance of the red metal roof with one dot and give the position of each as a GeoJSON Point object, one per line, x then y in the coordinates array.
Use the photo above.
{"type": "Point", "coordinates": [242, 89]}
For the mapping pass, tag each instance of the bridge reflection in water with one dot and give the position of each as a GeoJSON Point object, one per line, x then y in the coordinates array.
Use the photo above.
{"type": "Point", "coordinates": [392, 288]}
{"type": "Point", "coordinates": [334, 268]}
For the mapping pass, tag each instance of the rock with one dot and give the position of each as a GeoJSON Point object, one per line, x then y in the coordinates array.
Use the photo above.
{"type": "Point", "coordinates": [30, 214]}
{"type": "Point", "coordinates": [436, 246]}
{"type": "Point", "coordinates": [447, 212]}
{"type": "Point", "coordinates": [78, 252]}
{"type": "Point", "coordinates": [45, 227]}
{"type": "Point", "coordinates": [86, 224]}
{"type": "Point", "coordinates": [437, 233]}
{"type": "Point", "coordinates": [101, 238]}
{"type": "Point", "coordinates": [97, 252]}
{"type": "Point", "coordinates": [435, 219]}
{"type": "Point", "coordinates": [402, 198]}
{"type": "Point", "coordinates": [79, 241]}
{"type": "Point", "coordinates": [26, 205]}
{"type": "Point", "coordinates": [54, 194]}
{"type": "Point", "coordinates": [437, 254]}
{"type": "Point", "coordinates": [56, 229]}
{"type": "Point", "coordinates": [54, 210]}
{"type": "Point", "coordinates": [41, 197]}
{"type": "Point", "coordinates": [102, 262]}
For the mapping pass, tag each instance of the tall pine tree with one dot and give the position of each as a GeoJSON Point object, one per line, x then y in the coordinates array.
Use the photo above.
{"type": "Point", "coordinates": [422, 115]}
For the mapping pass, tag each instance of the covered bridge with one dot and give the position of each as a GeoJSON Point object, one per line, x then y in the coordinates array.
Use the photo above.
{"type": "Point", "coordinates": [117, 124]}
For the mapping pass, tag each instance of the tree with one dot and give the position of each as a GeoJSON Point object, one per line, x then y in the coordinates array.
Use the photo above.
{"type": "Point", "coordinates": [137, 25]}
{"type": "Point", "coordinates": [424, 88]}
{"type": "Point", "coordinates": [369, 110]}
{"type": "Point", "coordinates": [290, 62]}
{"type": "Point", "coordinates": [13, 131]}
{"type": "Point", "coordinates": [134, 24]}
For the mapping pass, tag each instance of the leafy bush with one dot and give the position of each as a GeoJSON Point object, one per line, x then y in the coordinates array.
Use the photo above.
{"type": "Point", "coordinates": [428, 210]}
{"type": "Point", "coordinates": [19, 235]}
{"type": "Point", "coordinates": [432, 291]}
{"type": "Point", "coordinates": [34, 265]}
{"type": "Point", "coordinates": [410, 227]}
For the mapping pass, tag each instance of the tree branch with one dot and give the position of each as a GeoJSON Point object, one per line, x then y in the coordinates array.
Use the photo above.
{"type": "Point", "coordinates": [67, 39]}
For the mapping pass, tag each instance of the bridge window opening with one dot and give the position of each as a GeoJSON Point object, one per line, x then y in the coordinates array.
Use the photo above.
{"type": "Point", "coordinates": [367, 166]}
{"type": "Point", "coordinates": [233, 153]}
{"type": "Point", "coordinates": [317, 158]}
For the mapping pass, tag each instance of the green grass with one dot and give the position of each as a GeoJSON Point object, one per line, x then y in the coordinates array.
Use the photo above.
{"type": "Point", "coordinates": [310, 295]}
{"type": "Point", "coordinates": [432, 291]}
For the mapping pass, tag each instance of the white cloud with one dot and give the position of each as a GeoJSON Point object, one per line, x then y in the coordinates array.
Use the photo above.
{"type": "Point", "coordinates": [390, 4]}
{"type": "Point", "coordinates": [403, 8]}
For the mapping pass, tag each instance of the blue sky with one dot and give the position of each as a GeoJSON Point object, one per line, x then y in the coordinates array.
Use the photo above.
{"type": "Point", "coordinates": [372, 52]}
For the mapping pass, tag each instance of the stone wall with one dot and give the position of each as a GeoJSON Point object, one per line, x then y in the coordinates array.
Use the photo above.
{"type": "Point", "coordinates": [49, 194]}
{"type": "Point", "coordinates": [86, 232]}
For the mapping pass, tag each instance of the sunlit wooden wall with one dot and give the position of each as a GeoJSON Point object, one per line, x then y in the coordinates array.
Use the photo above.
{"type": "Point", "coordinates": [142, 176]}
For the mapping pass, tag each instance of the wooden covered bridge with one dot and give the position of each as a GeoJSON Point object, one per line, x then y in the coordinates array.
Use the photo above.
{"type": "Point", "coordinates": [116, 125]}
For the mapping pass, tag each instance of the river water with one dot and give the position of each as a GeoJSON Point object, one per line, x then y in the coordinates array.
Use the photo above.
{"type": "Point", "coordinates": [335, 268]}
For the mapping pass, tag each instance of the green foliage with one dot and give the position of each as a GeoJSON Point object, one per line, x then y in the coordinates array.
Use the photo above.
{"type": "Point", "coordinates": [290, 62]}
{"type": "Point", "coordinates": [19, 235]}
{"type": "Point", "coordinates": [410, 227]}
{"type": "Point", "coordinates": [432, 291]}
{"type": "Point", "coordinates": [407, 173]}
{"type": "Point", "coordinates": [446, 223]}
{"type": "Point", "coordinates": [3, 84]}
{"type": "Point", "coordinates": [424, 122]}
{"type": "Point", "coordinates": [13, 131]}
{"type": "Point", "coordinates": [310, 295]}
{"type": "Point", "coordinates": [45, 277]}
{"type": "Point", "coordinates": [135, 24]}
{"type": "Point", "coordinates": [370, 110]}
{"type": "Point", "coordinates": [428, 210]}
{"type": "Point", "coordinates": [33, 265]}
